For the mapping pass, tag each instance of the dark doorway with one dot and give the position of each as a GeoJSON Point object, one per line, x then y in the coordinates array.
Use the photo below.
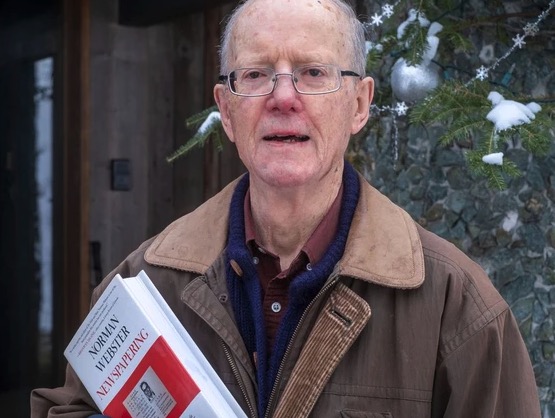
{"type": "Point", "coordinates": [26, 219]}
{"type": "Point", "coordinates": [27, 356]}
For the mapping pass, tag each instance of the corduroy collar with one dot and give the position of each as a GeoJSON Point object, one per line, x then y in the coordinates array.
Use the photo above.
{"type": "Point", "coordinates": [383, 245]}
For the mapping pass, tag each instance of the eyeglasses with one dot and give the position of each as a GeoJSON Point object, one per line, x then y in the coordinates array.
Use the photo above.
{"type": "Point", "coordinates": [308, 79]}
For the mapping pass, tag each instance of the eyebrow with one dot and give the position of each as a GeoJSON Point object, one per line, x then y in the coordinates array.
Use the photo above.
{"type": "Point", "coordinates": [297, 59]}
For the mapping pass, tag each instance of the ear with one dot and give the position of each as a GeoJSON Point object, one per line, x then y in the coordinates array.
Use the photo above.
{"type": "Point", "coordinates": [222, 100]}
{"type": "Point", "coordinates": [365, 93]}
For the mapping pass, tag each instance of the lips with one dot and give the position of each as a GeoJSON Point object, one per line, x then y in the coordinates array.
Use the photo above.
{"type": "Point", "coordinates": [286, 138]}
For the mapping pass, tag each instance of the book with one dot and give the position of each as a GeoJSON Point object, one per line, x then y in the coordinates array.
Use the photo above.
{"type": "Point", "coordinates": [137, 360]}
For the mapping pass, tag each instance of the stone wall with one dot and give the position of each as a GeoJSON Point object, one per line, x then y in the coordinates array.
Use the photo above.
{"type": "Point", "coordinates": [511, 233]}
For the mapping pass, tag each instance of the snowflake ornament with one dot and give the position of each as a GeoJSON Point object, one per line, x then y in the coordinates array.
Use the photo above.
{"type": "Point", "coordinates": [531, 29]}
{"type": "Point", "coordinates": [376, 19]}
{"type": "Point", "coordinates": [482, 73]}
{"type": "Point", "coordinates": [519, 40]}
{"type": "Point", "coordinates": [401, 108]}
{"type": "Point", "coordinates": [387, 10]}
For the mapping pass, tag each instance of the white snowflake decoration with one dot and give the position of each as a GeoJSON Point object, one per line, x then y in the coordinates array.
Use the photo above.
{"type": "Point", "coordinates": [531, 29]}
{"type": "Point", "coordinates": [401, 108]}
{"type": "Point", "coordinates": [482, 73]}
{"type": "Point", "coordinates": [376, 20]}
{"type": "Point", "coordinates": [519, 41]}
{"type": "Point", "coordinates": [387, 10]}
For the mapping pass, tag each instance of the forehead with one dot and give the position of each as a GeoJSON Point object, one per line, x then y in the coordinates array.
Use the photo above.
{"type": "Point", "coordinates": [296, 30]}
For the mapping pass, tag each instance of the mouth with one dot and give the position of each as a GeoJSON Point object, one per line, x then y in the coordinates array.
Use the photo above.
{"type": "Point", "coordinates": [286, 138]}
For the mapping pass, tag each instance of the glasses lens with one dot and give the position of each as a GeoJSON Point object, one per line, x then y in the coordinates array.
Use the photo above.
{"type": "Point", "coordinates": [317, 78]}
{"type": "Point", "coordinates": [252, 81]}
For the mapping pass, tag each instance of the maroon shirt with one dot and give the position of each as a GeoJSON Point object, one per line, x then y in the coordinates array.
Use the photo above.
{"type": "Point", "coordinates": [275, 282]}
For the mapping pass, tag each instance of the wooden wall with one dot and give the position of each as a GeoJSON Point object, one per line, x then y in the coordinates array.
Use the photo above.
{"type": "Point", "coordinates": [144, 83]}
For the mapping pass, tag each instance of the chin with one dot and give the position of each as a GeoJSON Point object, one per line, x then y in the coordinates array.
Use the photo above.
{"type": "Point", "coordinates": [283, 176]}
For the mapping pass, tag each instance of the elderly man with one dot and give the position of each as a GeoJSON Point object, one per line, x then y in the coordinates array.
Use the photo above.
{"type": "Point", "coordinates": [309, 292]}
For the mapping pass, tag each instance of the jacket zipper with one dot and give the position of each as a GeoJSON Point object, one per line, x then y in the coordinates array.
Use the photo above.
{"type": "Point", "coordinates": [238, 378]}
{"type": "Point", "coordinates": [333, 280]}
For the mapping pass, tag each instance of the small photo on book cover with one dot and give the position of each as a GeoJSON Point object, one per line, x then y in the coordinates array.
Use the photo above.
{"type": "Point", "coordinates": [149, 398]}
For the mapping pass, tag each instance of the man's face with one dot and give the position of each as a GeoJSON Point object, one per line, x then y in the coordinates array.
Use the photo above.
{"type": "Point", "coordinates": [288, 139]}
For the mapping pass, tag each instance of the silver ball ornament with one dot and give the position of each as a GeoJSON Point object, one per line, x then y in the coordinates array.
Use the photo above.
{"type": "Point", "coordinates": [411, 83]}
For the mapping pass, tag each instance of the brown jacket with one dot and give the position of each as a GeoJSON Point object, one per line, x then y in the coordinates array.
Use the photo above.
{"type": "Point", "coordinates": [406, 326]}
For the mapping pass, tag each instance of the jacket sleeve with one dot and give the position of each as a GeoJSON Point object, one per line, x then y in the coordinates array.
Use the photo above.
{"type": "Point", "coordinates": [69, 401]}
{"type": "Point", "coordinates": [489, 375]}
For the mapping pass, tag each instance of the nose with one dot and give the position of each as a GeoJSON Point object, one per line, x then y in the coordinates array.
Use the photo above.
{"type": "Point", "coordinates": [285, 96]}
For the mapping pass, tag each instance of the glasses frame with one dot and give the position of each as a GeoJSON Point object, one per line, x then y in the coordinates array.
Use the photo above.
{"type": "Point", "coordinates": [226, 79]}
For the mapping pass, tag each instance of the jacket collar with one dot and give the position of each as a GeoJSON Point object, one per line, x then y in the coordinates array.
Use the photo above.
{"type": "Point", "coordinates": [383, 246]}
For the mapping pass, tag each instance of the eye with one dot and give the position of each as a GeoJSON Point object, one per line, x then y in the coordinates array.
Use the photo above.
{"type": "Point", "coordinates": [313, 72]}
{"type": "Point", "coordinates": [254, 74]}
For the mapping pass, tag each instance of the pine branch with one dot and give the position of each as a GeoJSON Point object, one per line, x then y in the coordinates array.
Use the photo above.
{"type": "Point", "coordinates": [417, 37]}
{"type": "Point", "coordinates": [535, 136]}
{"type": "Point", "coordinates": [197, 119]}
{"type": "Point", "coordinates": [209, 126]}
{"type": "Point", "coordinates": [450, 102]}
{"type": "Point", "coordinates": [495, 174]}
{"type": "Point", "coordinates": [463, 109]}
{"type": "Point", "coordinates": [457, 40]}
{"type": "Point", "coordinates": [463, 128]}
{"type": "Point", "coordinates": [373, 59]}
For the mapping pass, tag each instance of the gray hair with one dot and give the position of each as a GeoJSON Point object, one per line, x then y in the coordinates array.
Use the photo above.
{"type": "Point", "coordinates": [356, 30]}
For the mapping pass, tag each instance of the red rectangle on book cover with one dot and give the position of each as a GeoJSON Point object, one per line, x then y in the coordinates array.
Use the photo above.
{"type": "Point", "coordinates": [181, 388]}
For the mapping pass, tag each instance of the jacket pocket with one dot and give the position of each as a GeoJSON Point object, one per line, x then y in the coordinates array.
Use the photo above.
{"type": "Point", "coordinates": [349, 413]}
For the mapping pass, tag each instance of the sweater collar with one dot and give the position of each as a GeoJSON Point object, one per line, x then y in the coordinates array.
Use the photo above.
{"type": "Point", "coordinates": [383, 246]}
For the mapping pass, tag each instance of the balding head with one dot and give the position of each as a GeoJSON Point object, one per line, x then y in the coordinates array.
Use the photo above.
{"type": "Point", "coordinates": [338, 14]}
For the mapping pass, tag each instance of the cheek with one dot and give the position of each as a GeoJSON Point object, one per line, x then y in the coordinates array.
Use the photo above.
{"type": "Point", "coordinates": [244, 120]}
{"type": "Point", "coordinates": [236, 122]}
{"type": "Point", "coordinates": [241, 128]}
{"type": "Point", "coordinates": [243, 112]}
{"type": "Point", "coordinates": [335, 119]}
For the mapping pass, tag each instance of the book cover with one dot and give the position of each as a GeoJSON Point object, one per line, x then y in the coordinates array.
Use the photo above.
{"type": "Point", "coordinates": [136, 360]}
